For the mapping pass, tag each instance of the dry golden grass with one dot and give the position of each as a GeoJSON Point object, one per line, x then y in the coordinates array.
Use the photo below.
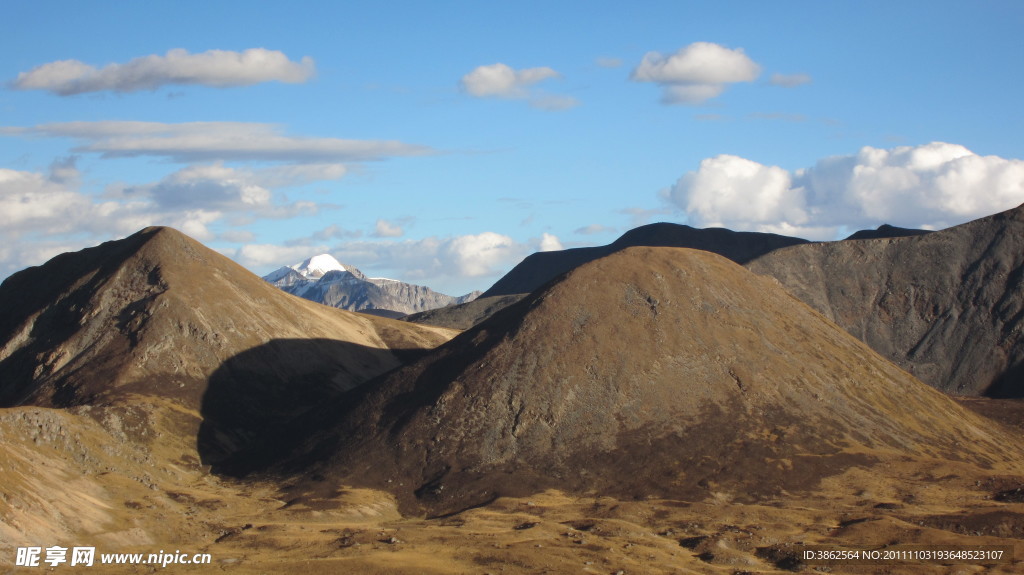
{"type": "Point", "coordinates": [773, 428]}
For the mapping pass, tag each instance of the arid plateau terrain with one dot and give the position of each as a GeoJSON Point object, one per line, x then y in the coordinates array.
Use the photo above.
{"type": "Point", "coordinates": [681, 401]}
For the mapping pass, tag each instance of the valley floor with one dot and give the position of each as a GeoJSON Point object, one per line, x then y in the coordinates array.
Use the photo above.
{"type": "Point", "coordinates": [54, 493]}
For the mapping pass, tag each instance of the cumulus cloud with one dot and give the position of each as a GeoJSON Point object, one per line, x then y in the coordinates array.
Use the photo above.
{"type": "Point", "coordinates": [789, 80]}
{"type": "Point", "coordinates": [733, 188]}
{"type": "Point", "coordinates": [386, 229]}
{"type": "Point", "coordinates": [479, 254]}
{"type": "Point", "coordinates": [550, 243]}
{"type": "Point", "coordinates": [210, 141]}
{"type": "Point", "coordinates": [200, 199]}
{"type": "Point", "coordinates": [606, 62]}
{"type": "Point", "coordinates": [264, 255]}
{"type": "Point", "coordinates": [929, 186]}
{"type": "Point", "coordinates": [47, 213]}
{"type": "Point", "coordinates": [43, 214]}
{"type": "Point", "coordinates": [216, 68]}
{"type": "Point", "coordinates": [502, 81]}
{"type": "Point", "coordinates": [696, 73]}
{"type": "Point", "coordinates": [214, 186]}
{"type": "Point", "coordinates": [31, 201]}
{"type": "Point", "coordinates": [220, 188]}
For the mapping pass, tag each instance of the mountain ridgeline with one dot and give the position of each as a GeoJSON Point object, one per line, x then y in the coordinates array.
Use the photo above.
{"type": "Point", "coordinates": [947, 306]}
{"type": "Point", "coordinates": [153, 392]}
{"type": "Point", "coordinates": [944, 305]}
{"type": "Point", "coordinates": [542, 267]}
{"type": "Point", "coordinates": [159, 315]}
{"type": "Point", "coordinates": [653, 372]}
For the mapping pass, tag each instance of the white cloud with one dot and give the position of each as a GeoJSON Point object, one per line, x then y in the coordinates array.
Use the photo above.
{"type": "Point", "coordinates": [502, 81]}
{"type": "Point", "coordinates": [45, 213]}
{"type": "Point", "coordinates": [217, 68]}
{"type": "Point", "coordinates": [47, 209]}
{"type": "Point", "coordinates": [386, 229]}
{"type": "Point", "coordinates": [42, 215]}
{"type": "Point", "coordinates": [732, 188]}
{"type": "Point", "coordinates": [30, 201]}
{"type": "Point", "coordinates": [550, 243]}
{"type": "Point", "coordinates": [480, 254]}
{"type": "Point", "coordinates": [220, 188]}
{"type": "Point", "coordinates": [454, 264]}
{"type": "Point", "coordinates": [211, 186]}
{"type": "Point", "coordinates": [211, 141]}
{"type": "Point", "coordinates": [789, 80]}
{"type": "Point", "coordinates": [696, 73]}
{"type": "Point", "coordinates": [263, 255]}
{"type": "Point", "coordinates": [432, 260]}
{"type": "Point", "coordinates": [929, 186]}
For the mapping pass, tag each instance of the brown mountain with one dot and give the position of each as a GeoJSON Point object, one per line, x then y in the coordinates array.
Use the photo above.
{"type": "Point", "coordinates": [466, 315]}
{"type": "Point", "coordinates": [158, 315]}
{"type": "Point", "coordinates": [653, 372]}
{"type": "Point", "coordinates": [947, 306]}
{"type": "Point", "coordinates": [541, 267]}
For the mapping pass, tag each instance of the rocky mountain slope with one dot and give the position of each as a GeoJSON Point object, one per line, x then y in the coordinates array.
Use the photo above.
{"type": "Point", "coordinates": [128, 368]}
{"type": "Point", "coordinates": [160, 315]}
{"type": "Point", "coordinates": [542, 267]}
{"type": "Point", "coordinates": [466, 315]}
{"type": "Point", "coordinates": [325, 280]}
{"type": "Point", "coordinates": [658, 411]}
{"type": "Point", "coordinates": [947, 306]}
{"type": "Point", "coordinates": [943, 305]}
{"type": "Point", "coordinates": [653, 372]}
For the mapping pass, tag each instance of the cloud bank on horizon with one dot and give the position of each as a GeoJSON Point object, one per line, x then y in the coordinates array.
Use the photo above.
{"type": "Point", "coordinates": [450, 174]}
{"type": "Point", "coordinates": [930, 186]}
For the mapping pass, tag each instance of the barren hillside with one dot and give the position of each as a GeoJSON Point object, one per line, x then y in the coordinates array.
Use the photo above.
{"type": "Point", "coordinates": [947, 306]}
{"type": "Point", "coordinates": [652, 372]}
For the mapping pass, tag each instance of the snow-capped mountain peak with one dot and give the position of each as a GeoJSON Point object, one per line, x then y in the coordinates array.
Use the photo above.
{"type": "Point", "coordinates": [317, 266]}
{"type": "Point", "coordinates": [325, 280]}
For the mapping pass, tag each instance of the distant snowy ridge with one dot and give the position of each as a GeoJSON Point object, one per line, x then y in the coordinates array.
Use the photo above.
{"type": "Point", "coordinates": [325, 280]}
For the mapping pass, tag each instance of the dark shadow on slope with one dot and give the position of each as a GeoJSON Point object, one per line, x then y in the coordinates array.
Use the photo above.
{"type": "Point", "coordinates": [1009, 384]}
{"type": "Point", "coordinates": [252, 397]}
{"type": "Point", "coordinates": [297, 424]}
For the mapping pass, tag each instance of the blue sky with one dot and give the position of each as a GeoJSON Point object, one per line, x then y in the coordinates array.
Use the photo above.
{"type": "Point", "coordinates": [442, 142]}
